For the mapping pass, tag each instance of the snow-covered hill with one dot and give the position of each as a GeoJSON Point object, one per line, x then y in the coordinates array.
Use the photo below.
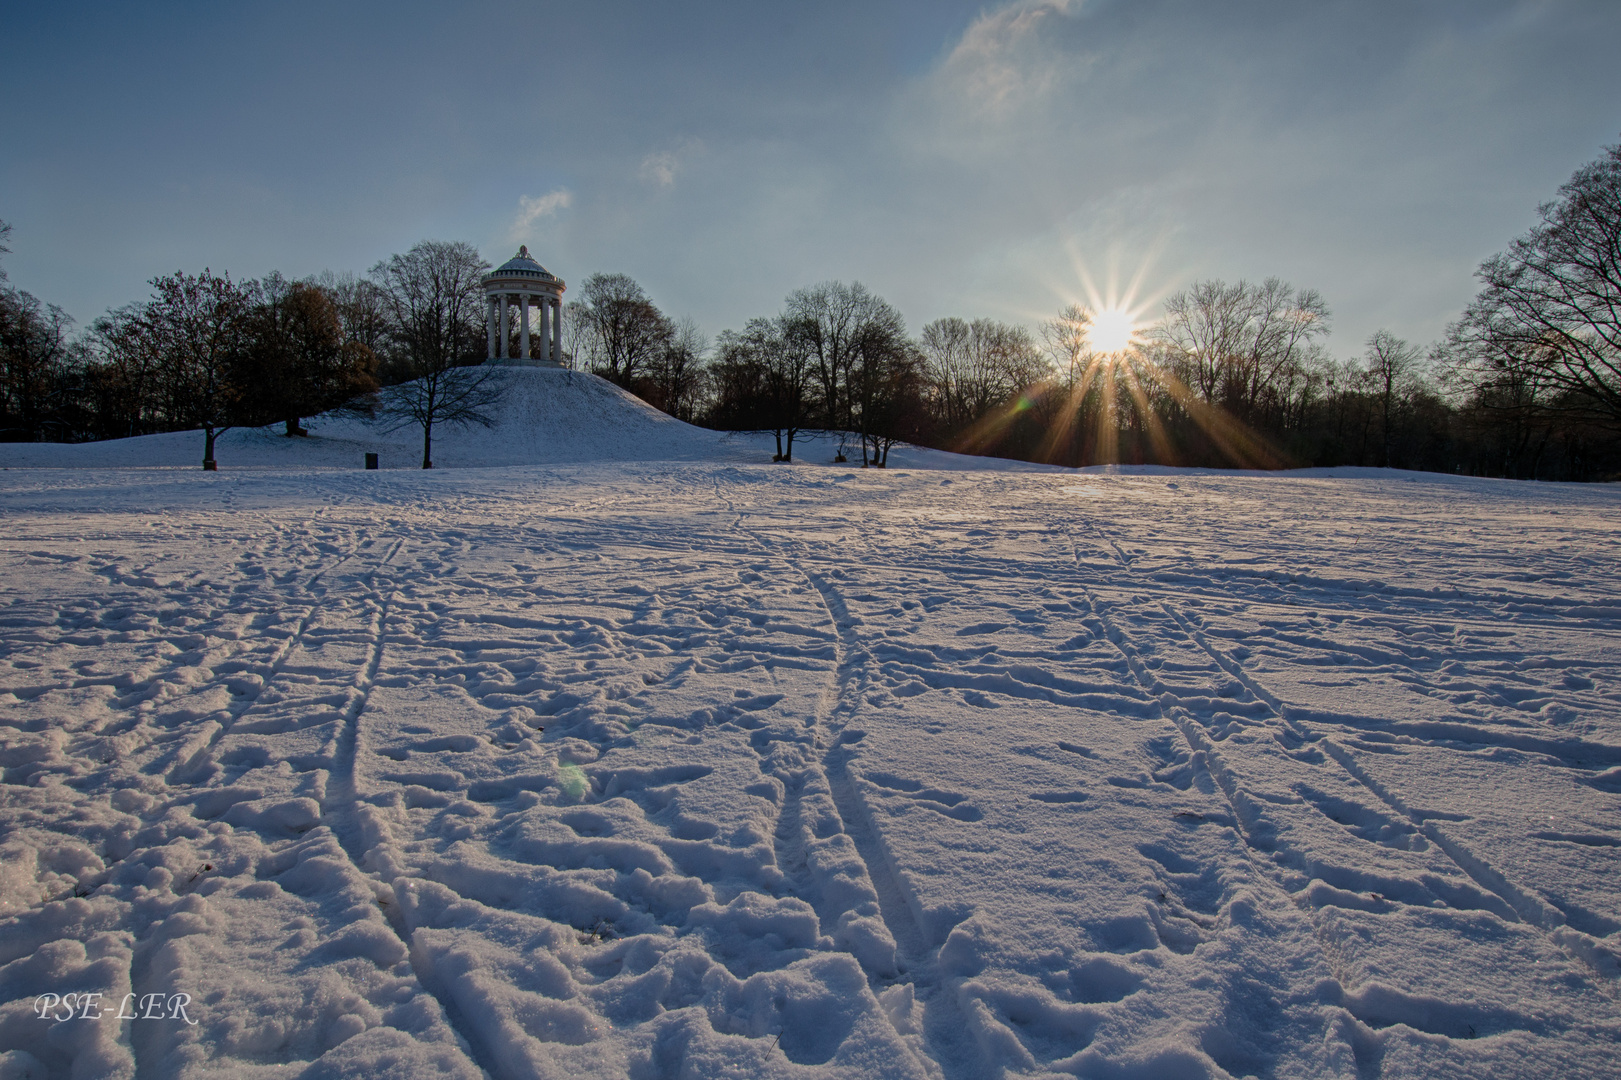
{"type": "Point", "coordinates": [545, 416]}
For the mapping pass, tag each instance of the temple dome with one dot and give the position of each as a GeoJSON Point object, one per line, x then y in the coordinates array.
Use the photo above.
{"type": "Point", "coordinates": [522, 265]}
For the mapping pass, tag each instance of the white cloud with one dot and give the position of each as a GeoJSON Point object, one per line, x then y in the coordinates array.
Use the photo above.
{"type": "Point", "coordinates": [660, 168]}
{"type": "Point", "coordinates": [531, 210]}
{"type": "Point", "coordinates": [1001, 61]}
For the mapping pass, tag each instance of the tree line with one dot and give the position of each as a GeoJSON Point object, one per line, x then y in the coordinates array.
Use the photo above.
{"type": "Point", "coordinates": [1525, 383]}
{"type": "Point", "coordinates": [206, 353]}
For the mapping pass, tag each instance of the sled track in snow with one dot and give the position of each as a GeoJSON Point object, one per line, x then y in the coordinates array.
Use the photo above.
{"type": "Point", "coordinates": [1531, 908]}
{"type": "Point", "coordinates": [919, 960]}
{"type": "Point", "coordinates": [343, 799]}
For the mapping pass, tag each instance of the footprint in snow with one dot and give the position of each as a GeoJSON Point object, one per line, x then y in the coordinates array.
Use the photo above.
{"type": "Point", "coordinates": [950, 803]}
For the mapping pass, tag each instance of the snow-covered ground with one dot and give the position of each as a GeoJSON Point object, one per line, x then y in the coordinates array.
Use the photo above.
{"type": "Point", "coordinates": [705, 769]}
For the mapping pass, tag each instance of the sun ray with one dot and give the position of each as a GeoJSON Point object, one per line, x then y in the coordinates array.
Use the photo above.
{"type": "Point", "coordinates": [1122, 304]}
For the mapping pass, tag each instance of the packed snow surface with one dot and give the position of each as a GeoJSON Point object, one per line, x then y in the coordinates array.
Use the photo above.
{"type": "Point", "coordinates": [700, 770]}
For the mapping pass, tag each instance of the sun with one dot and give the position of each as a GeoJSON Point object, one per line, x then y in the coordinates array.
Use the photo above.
{"type": "Point", "coordinates": [1113, 330]}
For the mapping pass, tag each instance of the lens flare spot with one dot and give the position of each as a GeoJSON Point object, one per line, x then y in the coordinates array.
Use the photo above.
{"type": "Point", "coordinates": [572, 779]}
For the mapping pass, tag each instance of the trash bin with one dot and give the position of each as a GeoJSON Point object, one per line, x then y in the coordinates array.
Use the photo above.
{"type": "Point", "coordinates": [371, 461]}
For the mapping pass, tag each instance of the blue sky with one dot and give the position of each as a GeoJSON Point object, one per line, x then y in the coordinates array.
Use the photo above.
{"type": "Point", "coordinates": [962, 159]}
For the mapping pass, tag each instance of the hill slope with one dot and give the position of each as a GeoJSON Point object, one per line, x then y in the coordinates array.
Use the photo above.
{"type": "Point", "coordinates": [545, 416]}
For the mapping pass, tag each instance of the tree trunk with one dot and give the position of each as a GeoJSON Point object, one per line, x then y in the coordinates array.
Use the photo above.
{"type": "Point", "coordinates": [1542, 446]}
{"type": "Point", "coordinates": [1387, 429]}
{"type": "Point", "coordinates": [427, 445]}
{"type": "Point", "coordinates": [209, 465]}
{"type": "Point", "coordinates": [293, 427]}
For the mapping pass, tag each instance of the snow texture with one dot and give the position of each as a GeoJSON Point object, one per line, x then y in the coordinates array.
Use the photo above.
{"type": "Point", "coordinates": [696, 768]}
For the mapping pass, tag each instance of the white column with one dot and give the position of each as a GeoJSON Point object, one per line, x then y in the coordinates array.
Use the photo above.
{"type": "Point", "coordinates": [557, 329]}
{"type": "Point", "coordinates": [489, 326]}
{"type": "Point", "coordinates": [544, 312]}
{"type": "Point", "coordinates": [523, 322]}
{"type": "Point", "coordinates": [501, 349]}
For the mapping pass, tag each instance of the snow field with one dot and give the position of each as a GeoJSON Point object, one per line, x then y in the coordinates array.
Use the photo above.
{"type": "Point", "coordinates": [685, 769]}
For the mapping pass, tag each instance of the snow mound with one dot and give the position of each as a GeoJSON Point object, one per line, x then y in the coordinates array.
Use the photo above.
{"type": "Point", "coordinates": [544, 416]}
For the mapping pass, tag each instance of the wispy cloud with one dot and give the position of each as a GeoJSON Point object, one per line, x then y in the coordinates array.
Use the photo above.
{"type": "Point", "coordinates": [531, 210]}
{"type": "Point", "coordinates": [659, 168]}
{"type": "Point", "coordinates": [1000, 61]}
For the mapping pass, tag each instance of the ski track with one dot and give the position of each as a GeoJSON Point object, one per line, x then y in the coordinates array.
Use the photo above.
{"type": "Point", "coordinates": [917, 962]}
{"type": "Point", "coordinates": [725, 770]}
{"type": "Point", "coordinates": [1532, 908]}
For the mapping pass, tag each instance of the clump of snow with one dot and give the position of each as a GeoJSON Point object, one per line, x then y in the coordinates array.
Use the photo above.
{"type": "Point", "coordinates": [695, 768]}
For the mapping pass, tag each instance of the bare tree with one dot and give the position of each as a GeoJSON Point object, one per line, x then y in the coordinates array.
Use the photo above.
{"type": "Point", "coordinates": [1553, 300]}
{"type": "Point", "coordinates": [623, 332]}
{"type": "Point", "coordinates": [974, 367]}
{"type": "Point", "coordinates": [675, 377]}
{"type": "Point", "coordinates": [889, 397]}
{"type": "Point", "coordinates": [1286, 324]}
{"type": "Point", "coordinates": [1241, 343]}
{"type": "Point", "coordinates": [34, 352]}
{"type": "Point", "coordinates": [128, 363]}
{"type": "Point", "coordinates": [825, 321]}
{"type": "Point", "coordinates": [299, 359]}
{"type": "Point", "coordinates": [1069, 341]}
{"type": "Point", "coordinates": [882, 377]}
{"type": "Point", "coordinates": [1505, 391]}
{"type": "Point", "coordinates": [362, 307]}
{"type": "Point", "coordinates": [1391, 365]}
{"type": "Point", "coordinates": [1209, 325]}
{"type": "Point", "coordinates": [850, 335]}
{"type": "Point", "coordinates": [763, 378]}
{"type": "Point", "coordinates": [949, 361]}
{"type": "Point", "coordinates": [436, 300]}
{"type": "Point", "coordinates": [741, 377]}
{"type": "Point", "coordinates": [577, 334]}
{"type": "Point", "coordinates": [193, 326]}
{"type": "Point", "coordinates": [457, 396]}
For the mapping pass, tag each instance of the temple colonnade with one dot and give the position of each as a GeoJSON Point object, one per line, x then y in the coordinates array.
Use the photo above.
{"type": "Point", "coordinates": [511, 290]}
{"type": "Point", "coordinates": [504, 307]}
